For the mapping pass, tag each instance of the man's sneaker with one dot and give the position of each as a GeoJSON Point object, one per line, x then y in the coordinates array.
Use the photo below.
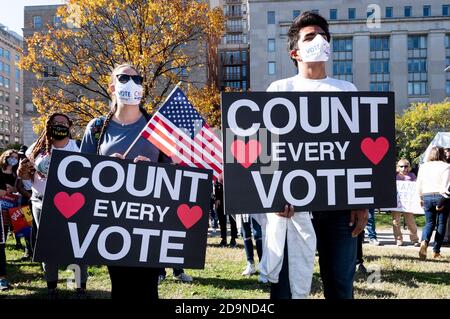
{"type": "Point", "coordinates": [399, 243]}
{"type": "Point", "coordinates": [4, 284]}
{"type": "Point", "coordinates": [374, 241]}
{"type": "Point", "coordinates": [223, 243]}
{"type": "Point", "coordinates": [183, 277]}
{"type": "Point", "coordinates": [262, 279]}
{"type": "Point", "coordinates": [249, 270]}
{"type": "Point", "coordinates": [416, 244]}
{"type": "Point", "coordinates": [233, 242]}
{"type": "Point", "coordinates": [423, 250]}
{"type": "Point", "coordinates": [436, 255]}
{"type": "Point", "coordinates": [361, 269]}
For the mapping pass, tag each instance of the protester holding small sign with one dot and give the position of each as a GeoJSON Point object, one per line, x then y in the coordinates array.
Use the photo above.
{"type": "Point", "coordinates": [404, 174]}
{"type": "Point", "coordinates": [112, 136]}
{"type": "Point", "coordinates": [432, 182]}
{"type": "Point", "coordinates": [291, 237]}
{"type": "Point", "coordinates": [55, 136]}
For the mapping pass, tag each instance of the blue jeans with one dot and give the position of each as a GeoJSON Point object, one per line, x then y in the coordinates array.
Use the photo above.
{"type": "Point", "coordinates": [433, 218]}
{"type": "Point", "coordinates": [337, 253]}
{"type": "Point", "coordinates": [247, 236]}
{"type": "Point", "coordinates": [371, 225]}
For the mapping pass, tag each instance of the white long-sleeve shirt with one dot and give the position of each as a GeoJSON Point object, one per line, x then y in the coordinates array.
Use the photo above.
{"type": "Point", "coordinates": [433, 177]}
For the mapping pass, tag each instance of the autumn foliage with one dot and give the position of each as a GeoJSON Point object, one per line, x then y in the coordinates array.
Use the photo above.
{"type": "Point", "coordinates": [165, 40]}
{"type": "Point", "coordinates": [418, 125]}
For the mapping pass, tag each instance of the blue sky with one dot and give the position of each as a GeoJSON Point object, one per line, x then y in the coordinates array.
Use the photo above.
{"type": "Point", "coordinates": [11, 13]}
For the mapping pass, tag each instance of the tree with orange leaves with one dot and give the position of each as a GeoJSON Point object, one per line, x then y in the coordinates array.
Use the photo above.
{"type": "Point", "coordinates": [165, 40]}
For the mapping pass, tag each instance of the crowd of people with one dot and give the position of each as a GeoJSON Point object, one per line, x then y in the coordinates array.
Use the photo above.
{"type": "Point", "coordinates": [286, 242]}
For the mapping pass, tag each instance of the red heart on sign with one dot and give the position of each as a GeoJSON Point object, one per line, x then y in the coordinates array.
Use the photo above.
{"type": "Point", "coordinates": [68, 205]}
{"type": "Point", "coordinates": [189, 216]}
{"type": "Point", "coordinates": [246, 154]}
{"type": "Point", "coordinates": [375, 150]}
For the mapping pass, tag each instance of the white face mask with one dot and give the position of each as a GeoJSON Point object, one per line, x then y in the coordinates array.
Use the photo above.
{"type": "Point", "coordinates": [128, 93]}
{"type": "Point", "coordinates": [316, 50]}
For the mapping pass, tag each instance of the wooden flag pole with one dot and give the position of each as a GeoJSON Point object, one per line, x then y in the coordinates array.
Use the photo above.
{"type": "Point", "coordinates": [139, 135]}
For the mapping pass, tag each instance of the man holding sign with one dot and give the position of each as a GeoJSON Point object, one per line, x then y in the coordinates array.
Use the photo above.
{"type": "Point", "coordinates": [328, 152]}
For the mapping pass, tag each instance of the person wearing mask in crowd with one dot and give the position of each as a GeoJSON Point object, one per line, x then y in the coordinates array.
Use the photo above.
{"type": "Point", "coordinates": [55, 136]}
{"type": "Point", "coordinates": [290, 244]}
{"type": "Point", "coordinates": [432, 183]}
{"type": "Point", "coordinates": [8, 162]}
{"type": "Point", "coordinates": [111, 136]}
{"type": "Point", "coordinates": [404, 174]}
{"type": "Point", "coordinates": [24, 188]}
{"type": "Point", "coordinates": [218, 197]}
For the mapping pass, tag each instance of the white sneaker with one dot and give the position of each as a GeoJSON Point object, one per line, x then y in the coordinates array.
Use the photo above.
{"type": "Point", "coordinates": [249, 270]}
{"type": "Point", "coordinates": [183, 277]}
{"type": "Point", "coordinates": [374, 241]}
{"type": "Point", "coordinates": [262, 279]}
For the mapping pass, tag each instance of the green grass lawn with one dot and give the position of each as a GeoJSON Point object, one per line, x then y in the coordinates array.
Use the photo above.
{"type": "Point", "coordinates": [401, 275]}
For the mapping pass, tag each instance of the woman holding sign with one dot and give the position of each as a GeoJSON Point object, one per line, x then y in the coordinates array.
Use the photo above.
{"type": "Point", "coordinates": [404, 174]}
{"type": "Point", "coordinates": [56, 135]}
{"type": "Point", "coordinates": [112, 136]}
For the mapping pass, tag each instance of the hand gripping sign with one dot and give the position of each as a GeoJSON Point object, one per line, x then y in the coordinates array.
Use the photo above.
{"type": "Point", "coordinates": [101, 210]}
{"type": "Point", "coordinates": [315, 150]}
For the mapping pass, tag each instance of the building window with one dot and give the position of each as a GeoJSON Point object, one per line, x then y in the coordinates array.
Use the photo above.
{"type": "Point", "coordinates": [17, 73]}
{"type": "Point", "coordinates": [17, 100]}
{"type": "Point", "coordinates": [446, 10]}
{"type": "Point", "coordinates": [379, 64]}
{"type": "Point", "coordinates": [389, 12]}
{"type": "Point", "coordinates": [16, 114]}
{"type": "Point", "coordinates": [295, 14]}
{"type": "Point", "coordinates": [56, 20]}
{"type": "Point", "coordinates": [272, 68]}
{"type": "Point", "coordinates": [351, 13]}
{"type": "Point", "coordinates": [270, 17]}
{"type": "Point", "coordinates": [271, 45]}
{"type": "Point", "coordinates": [17, 87]}
{"type": "Point", "coordinates": [1, 80]}
{"type": "Point", "coordinates": [408, 11]}
{"type": "Point", "coordinates": [6, 83]}
{"type": "Point", "coordinates": [37, 22]}
{"type": "Point", "coordinates": [417, 65]}
{"type": "Point", "coordinates": [316, 11]}
{"type": "Point", "coordinates": [7, 68]}
{"type": "Point", "coordinates": [447, 53]}
{"type": "Point", "coordinates": [6, 54]}
{"type": "Point", "coordinates": [426, 11]}
{"type": "Point", "coordinates": [17, 57]}
{"type": "Point", "coordinates": [333, 14]}
{"type": "Point", "coordinates": [343, 58]}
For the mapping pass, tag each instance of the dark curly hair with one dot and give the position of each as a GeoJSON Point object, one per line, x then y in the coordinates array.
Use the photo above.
{"type": "Point", "coordinates": [306, 19]}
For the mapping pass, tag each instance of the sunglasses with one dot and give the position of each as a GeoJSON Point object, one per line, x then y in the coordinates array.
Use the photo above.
{"type": "Point", "coordinates": [403, 166]}
{"type": "Point", "coordinates": [124, 78]}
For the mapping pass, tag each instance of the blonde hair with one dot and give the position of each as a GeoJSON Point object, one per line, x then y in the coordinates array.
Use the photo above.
{"type": "Point", "coordinates": [405, 162]}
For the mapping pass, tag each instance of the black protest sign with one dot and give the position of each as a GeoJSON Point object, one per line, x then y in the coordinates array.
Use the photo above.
{"type": "Point", "coordinates": [319, 151]}
{"type": "Point", "coordinates": [101, 210]}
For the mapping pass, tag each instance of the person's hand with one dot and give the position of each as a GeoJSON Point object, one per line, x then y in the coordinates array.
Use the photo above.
{"type": "Point", "coordinates": [141, 158]}
{"type": "Point", "coordinates": [10, 189]}
{"type": "Point", "coordinates": [118, 155]}
{"type": "Point", "coordinates": [25, 169]}
{"type": "Point", "coordinates": [288, 211]}
{"type": "Point", "coordinates": [359, 218]}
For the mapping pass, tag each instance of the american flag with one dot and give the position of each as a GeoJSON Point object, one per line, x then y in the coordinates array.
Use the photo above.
{"type": "Point", "coordinates": [179, 131]}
